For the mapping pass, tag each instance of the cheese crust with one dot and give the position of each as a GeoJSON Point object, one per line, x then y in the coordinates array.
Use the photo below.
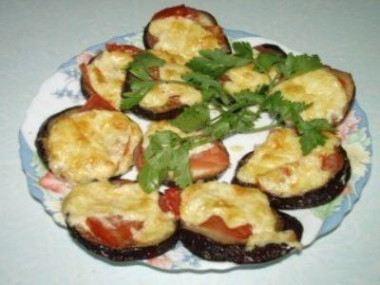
{"type": "Point", "coordinates": [279, 167]}
{"type": "Point", "coordinates": [237, 206]}
{"type": "Point", "coordinates": [107, 74]}
{"type": "Point", "coordinates": [105, 199]}
{"type": "Point", "coordinates": [165, 96]}
{"type": "Point", "coordinates": [91, 145]}
{"type": "Point", "coordinates": [320, 88]}
{"type": "Point", "coordinates": [181, 38]}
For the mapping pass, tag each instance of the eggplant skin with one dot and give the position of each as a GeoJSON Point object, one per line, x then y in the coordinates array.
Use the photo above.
{"type": "Point", "coordinates": [209, 249]}
{"type": "Point", "coordinates": [312, 198]}
{"type": "Point", "coordinates": [270, 48]}
{"type": "Point", "coordinates": [150, 115]}
{"type": "Point", "coordinates": [44, 130]}
{"type": "Point", "coordinates": [126, 254]}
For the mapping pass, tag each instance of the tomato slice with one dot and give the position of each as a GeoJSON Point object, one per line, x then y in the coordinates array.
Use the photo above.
{"type": "Point", "coordinates": [96, 102]}
{"type": "Point", "coordinates": [113, 232]}
{"type": "Point", "coordinates": [123, 48]}
{"type": "Point", "coordinates": [176, 11]}
{"type": "Point", "coordinates": [332, 162]}
{"type": "Point", "coordinates": [217, 224]}
{"type": "Point", "coordinates": [171, 201]}
{"type": "Point", "coordinates": [210, 162]}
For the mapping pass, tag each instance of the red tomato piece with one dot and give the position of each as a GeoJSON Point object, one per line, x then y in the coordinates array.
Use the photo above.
{"type": "Point", "coordinates": [217, 224]}
{"type": "Point", "coordinates": [116, 233]}
{"type": "Point", "coordinates": [96, 102]}
{"type": "Point", "coordinates": [211, 161]}
{"type": "Point", "coordinates": [123, 48]}
{"type": "Point", "coordinates": [332, 162]}
{"type": "Point", "coordinates": [171, 201]}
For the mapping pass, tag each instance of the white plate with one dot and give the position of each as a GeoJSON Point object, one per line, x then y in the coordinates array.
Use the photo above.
{"type": "Point", "coordinates": [62, 90]}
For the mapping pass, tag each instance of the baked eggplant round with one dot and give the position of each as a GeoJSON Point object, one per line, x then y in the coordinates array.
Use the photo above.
{"type": "Point", "coordinates": [328, 91]}
{"type": "Point", "coordinates": [118, 221]}
{"type": "Point", "coordinates": [207, 161]}
{"type": "Point", "coordinates": [181, 32]}
{"type": "Point", "coordinates": [168, 98]}
{"type": "Point", "coordinates": [105, 74]}
{"type": "Point", "coordinates": [79, 145]}
{"type": "Point", "coordinates": [222, 222]}
{"type": "Point", "coordinates": [297, 181]}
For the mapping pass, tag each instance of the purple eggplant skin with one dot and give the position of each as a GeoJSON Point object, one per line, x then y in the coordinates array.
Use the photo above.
{"type": "Point", "coordinates": [270, 48]}
{"type": "Point", "coordinates": [312, 198]}
{"type": "Point", "coordinates": [126, 254]}
{"type": "Point", "coordinates": [209, 249]}
{"type": "Point", "coordinates": [149, 44]}
{"type": "Point", "coordinates": [44, 130]}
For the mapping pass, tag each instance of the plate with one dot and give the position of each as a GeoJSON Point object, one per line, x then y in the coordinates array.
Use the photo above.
{"type": "Point", "coordinates": [62, 90]}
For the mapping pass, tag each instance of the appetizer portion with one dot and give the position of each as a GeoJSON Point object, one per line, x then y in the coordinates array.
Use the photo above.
{"type": "Point", "coordinates": [207, 161]}
{"type": "Point", "coordinates": [292, 179]}
{"type": "Point", "coordinates": [179, 33]}
{"type": "Point", "coordinates": [223, 222]}
{"type": "Point", "coordinates": [119, 221]}
{"type": "Point", "coordinates": [105, 74]}
{"type": "Point", "coordinates": [80, 145]}
{"type": "Point", "coordinates": [169, 95]}
{"type": "Point", "coordinates": [328, 91]}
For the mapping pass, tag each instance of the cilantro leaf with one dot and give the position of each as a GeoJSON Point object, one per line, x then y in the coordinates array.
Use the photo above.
{"type": "Point", "coordinates": [243, 50]}
{"type": "Point", "coordinates": [312, 134]}
{"type": "Point", "coordinates": [209, 87]}
{"type": "Point", "coordinates": [298, 64]}
{"type": "Point", "coordinates": [215, 62]}
{"type": "Point", "coordinates": [265, 61]}
{"type": "Point", "coordinates": [143, 62]}
{"type": "Point", "coordinates": [193, 118]}
{"type": "Point", "coordinates": [283, 110]}
{"type": "Point", "coordinates": [139, 90]}
{"type": "Point", "coordinates": [180, 165]}
{"type": "Point", "coordinates": [166, 152]}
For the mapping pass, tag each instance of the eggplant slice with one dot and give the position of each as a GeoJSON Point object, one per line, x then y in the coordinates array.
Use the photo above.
{"type": "Point", "coordinates": [104, 75]}
{"type": "Point", "coordinates": [208, 249]}
{"type": "Point", "coordinates": [312, 198]}
{"type": "Point", "coordinates": [52, 152]}
{"type": "Point", "coordinates": [202, 21]}
{"type": "Point", "coordinates": [126, 254]}
{"type": "Point", "coordinates": [112, 204]}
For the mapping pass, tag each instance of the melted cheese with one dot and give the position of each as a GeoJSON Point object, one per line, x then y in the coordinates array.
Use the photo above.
{"type": "Point", "coordinates": [107, 75]}
{"type": "Point", "coordinates": [181, 37]}
{"type": "Point", "coordinates": [160, 97]}
{"type": "Point", "coordinates": [279, 166]}
{"type": "Point", "coordinates": [237, 206]}
{"type": "Point", "coordinates": [245, 78]}
{"type": "Point", "coordinates": [322, 89]}
{"type": "Point", "coordinates": [104, 199]}
{"type": "Point", "coordinates": [92, 145]}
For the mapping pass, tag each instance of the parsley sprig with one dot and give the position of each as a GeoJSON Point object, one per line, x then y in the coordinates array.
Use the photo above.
{"type": "Point", "coordinates": [167, 156]}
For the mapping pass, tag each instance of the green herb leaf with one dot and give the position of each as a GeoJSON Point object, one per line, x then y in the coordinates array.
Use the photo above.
{"type": "Point", "coordinates": [298, 64]}
{"type": "Point", "coordinates": [166, 152]}
{"type": "Point", "coordinates": [143, 62]}
{"type": "Point", "coordinates": [193, 118]}
{"type": "Point", "coordinates": [215, 62]}
{"type": "Point", "coordinates": [284, 111]}
{"type": "Point", "coordinates": [243, 50]}
{"type": "Point", "coordinates": [180, 165]}
{"type": "Point", "coordinates": [139, 90]}
{"type": "Point", "coordinates": [265, 61]}
{"type": "Point", "coordinates": [209, 87]}
{"type": "Point", "coordinates": [312, 134]}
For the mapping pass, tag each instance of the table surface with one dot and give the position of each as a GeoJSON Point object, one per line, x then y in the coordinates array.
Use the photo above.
{"type": "Point", "coordinates": [37, 36]}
